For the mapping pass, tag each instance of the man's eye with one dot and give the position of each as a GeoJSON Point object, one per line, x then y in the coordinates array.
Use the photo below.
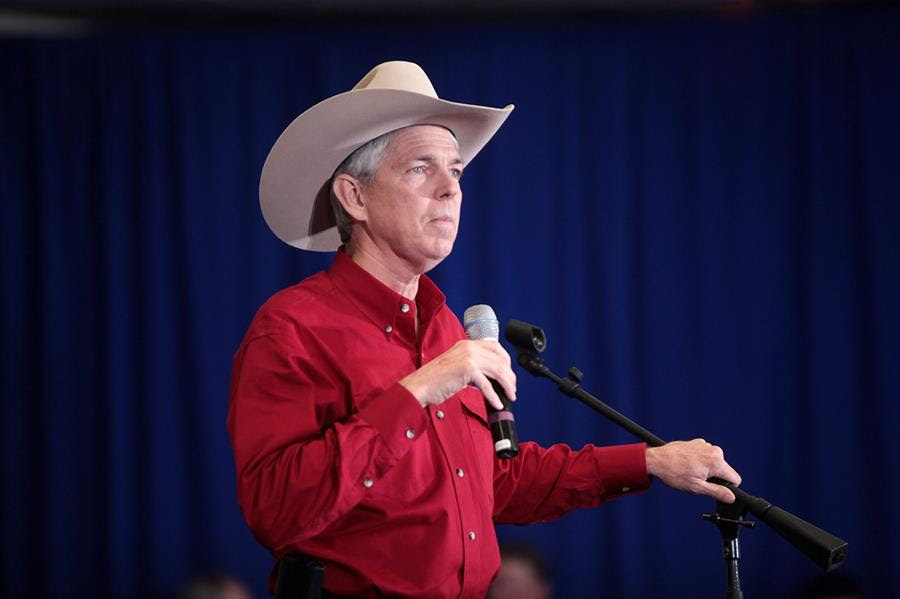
{"type": "Point", "coordinates": [456, 172]}
{"type": "Point", "coordinates": [418, 170]}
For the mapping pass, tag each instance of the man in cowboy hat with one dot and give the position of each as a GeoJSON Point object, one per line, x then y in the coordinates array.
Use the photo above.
{"type": "Point", "coordinates": [357, 411]}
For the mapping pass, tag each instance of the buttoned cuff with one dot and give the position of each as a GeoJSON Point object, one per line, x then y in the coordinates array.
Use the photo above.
{"type": "Point", "coordinates": [623, 469]}
{"type": "Point", "coordinates": [398, 417]}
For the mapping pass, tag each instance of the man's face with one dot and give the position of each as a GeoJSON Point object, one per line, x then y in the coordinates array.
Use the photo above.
{"type": "Point", "coordinates": [413, 199]}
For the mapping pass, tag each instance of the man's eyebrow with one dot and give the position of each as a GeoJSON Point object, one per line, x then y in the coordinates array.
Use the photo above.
{"type": "Point", "coordinates": [431, 158]}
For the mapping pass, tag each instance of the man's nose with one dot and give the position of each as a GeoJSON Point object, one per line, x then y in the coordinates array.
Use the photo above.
{"type": "Point", "coordinates": [447, 187]}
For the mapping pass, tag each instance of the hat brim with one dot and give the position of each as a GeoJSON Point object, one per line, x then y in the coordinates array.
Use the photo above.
{"type": "Point", "coordinates": [293, 187]}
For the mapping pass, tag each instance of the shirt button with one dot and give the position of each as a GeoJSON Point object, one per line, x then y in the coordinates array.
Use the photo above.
{"type": "Point", "coordinates": [626, 489]}
{"type": "Point", "coordinates": [404, 308]}
{"type": "Point", "coordinates": [368, 483]}
{"type": "Point", "coordinates": [388, 329]}
{"type": "Point", "coordinates": [471, 535]}
{"type": "Point", "coordinates": [410, 433]}
{"type": "Point", "coordinates": [440, 415]}
{"type": "Point", "coordinates": [459, 472]}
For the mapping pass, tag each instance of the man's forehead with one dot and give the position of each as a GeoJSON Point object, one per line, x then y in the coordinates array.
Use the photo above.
{"type": "Point", "coordinates": [424, 141]}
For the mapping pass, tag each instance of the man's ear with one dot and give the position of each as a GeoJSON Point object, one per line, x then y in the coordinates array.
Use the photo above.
{"type": "Point", "coordinates": [348, 191]}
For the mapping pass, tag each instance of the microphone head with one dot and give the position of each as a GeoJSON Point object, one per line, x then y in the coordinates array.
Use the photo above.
{"type": "Point", "coordinates": [481, 323]}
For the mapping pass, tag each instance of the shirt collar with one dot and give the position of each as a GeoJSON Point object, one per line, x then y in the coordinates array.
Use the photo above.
{"type": "Point", "coordinates": [381, 304]}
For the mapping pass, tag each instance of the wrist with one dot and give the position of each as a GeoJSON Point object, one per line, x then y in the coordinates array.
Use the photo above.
{"type": "Point", "coordinates": [651, 459]}
{"type": "Point", "coordinates": [415, 387]}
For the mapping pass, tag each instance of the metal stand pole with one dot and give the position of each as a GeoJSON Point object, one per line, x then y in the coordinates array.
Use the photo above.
{"type": "Point", "coordinates": [729, 519]}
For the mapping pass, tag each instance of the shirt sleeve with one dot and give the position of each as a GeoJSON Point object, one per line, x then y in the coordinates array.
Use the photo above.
{"type": "Point", "coordinates": [305, 454]}
{"type": "Point", "coordinates": [543, 484]}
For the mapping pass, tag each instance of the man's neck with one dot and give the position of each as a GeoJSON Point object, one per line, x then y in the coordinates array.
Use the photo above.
{"type": "Point", "coordinates": [394, 273]}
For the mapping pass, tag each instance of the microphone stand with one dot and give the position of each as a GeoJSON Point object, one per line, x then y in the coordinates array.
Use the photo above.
{"type": "Point", "coordinates": [823, 548]}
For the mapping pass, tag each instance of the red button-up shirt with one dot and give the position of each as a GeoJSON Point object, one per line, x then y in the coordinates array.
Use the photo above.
{"type": "Point", "coordinates": [335, 459]}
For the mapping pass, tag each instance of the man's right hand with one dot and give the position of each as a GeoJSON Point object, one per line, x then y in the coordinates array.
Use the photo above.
{"type": "Point", "coordinates": [467, 362]}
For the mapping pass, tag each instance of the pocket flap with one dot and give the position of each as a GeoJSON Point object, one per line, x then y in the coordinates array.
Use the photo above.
{"type": "Point", "coordinates": [473, 402]}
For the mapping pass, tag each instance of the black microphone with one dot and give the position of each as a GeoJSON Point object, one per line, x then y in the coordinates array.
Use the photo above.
{"type": "Point", "coordinates": [481, 323]}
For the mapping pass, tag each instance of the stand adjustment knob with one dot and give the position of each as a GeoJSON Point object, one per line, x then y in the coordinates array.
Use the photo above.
{"type": "Point", "coordinates": [719, 519]}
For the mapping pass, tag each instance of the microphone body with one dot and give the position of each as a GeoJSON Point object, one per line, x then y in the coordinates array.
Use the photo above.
{"type": "Point", "coordinates": [481, 323]}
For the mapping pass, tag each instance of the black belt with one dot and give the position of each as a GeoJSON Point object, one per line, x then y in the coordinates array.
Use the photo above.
{"type": "Point", "coordinates": [300, 577]}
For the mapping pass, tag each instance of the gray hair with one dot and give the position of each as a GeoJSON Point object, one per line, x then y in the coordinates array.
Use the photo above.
{"type": "Point", "coordinates": [360, 164]}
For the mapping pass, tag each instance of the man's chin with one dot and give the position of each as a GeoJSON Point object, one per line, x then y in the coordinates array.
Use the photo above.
{"type": "Point", "coordinates": [437, 255]}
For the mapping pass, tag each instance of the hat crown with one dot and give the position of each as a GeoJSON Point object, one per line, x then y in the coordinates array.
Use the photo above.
{"type": "Point", "coordinates": [397, 75]}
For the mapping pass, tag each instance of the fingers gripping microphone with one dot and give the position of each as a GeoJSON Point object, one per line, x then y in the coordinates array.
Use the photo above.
{"type": "Point", "coordinates": [481, 323]}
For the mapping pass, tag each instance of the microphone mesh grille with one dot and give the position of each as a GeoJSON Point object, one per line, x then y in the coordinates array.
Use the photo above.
{"type": "Point", "coordinates": [481, 322]}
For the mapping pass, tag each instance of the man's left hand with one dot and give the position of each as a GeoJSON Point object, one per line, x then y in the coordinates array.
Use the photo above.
{"type": "Point", "coordinates": [685, 465]}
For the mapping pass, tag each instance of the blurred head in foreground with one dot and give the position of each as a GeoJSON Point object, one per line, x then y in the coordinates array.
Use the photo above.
{"type": "Point", "coordinates": [523, 575]}
{"type": "Point", "coordinates": [835, 585]}
{"type": "Point", "coordinates": [214, 586]}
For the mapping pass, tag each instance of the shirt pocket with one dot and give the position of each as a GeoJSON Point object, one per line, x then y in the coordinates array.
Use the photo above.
{"type": "Point", "coordinates": [475, 416]}
{"type": "Point", "coordinates": [473, 404]}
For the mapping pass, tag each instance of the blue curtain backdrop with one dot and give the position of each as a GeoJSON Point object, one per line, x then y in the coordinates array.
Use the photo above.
{"type": "Point", "coordinates": [701, 212]}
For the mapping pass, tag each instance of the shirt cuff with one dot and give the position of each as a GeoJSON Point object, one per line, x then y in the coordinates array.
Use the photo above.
{"type": "Point", "coordinates": [623, 469]}
{"type": "Point", "coordinates": [398, 417]}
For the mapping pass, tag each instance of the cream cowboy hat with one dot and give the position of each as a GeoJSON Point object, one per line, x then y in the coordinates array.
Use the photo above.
{"type": "Point", "coordinates": [294, 189]}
